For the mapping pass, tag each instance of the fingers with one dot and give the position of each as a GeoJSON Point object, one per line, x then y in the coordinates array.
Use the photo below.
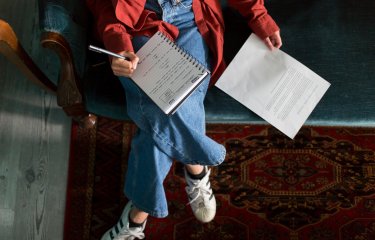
{"type": "Point", "coordinates": [268, 43]}
{"type": "Point", "coordinates": [125, 68]}
{"type": "Point", "coordinates": [134, 59]}
{"type": "Point", "coordinates": [273, 41]}
{"type": "Point", "coordinates": [276, 40]}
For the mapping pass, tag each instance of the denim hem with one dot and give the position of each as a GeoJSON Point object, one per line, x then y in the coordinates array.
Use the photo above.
{"type": "Point", "coordinates": [153, 213]}
{"type": "Point", "coordinates": [221, 160]}
{"type": "Point", "coordinates": [181, 156]}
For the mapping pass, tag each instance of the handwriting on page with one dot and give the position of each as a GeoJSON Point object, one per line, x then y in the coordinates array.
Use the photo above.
{"type": "Point", "coordinates": [168, 70]}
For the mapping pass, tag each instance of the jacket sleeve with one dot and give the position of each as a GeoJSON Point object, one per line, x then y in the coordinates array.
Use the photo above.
{"type": "Point", "coordinates": [256, 16]}
{"type": "Point", "coordinates": [109, 29]}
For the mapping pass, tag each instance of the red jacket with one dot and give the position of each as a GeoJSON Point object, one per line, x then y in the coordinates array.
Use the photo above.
{"type": "Point", "coordinates": [118, 20]}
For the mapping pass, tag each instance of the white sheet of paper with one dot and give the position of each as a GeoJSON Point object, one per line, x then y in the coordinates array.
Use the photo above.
{"type": "Point", "coordinates": [273, 85]}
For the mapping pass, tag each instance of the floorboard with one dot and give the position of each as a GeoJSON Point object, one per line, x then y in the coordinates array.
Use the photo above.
{"type": "Point", "coordinates": [34, 140]}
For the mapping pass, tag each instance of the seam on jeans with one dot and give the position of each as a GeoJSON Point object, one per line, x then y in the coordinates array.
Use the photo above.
{"type": "Point", "coordinates": [165, 140]}
{"type": "Point", "coordinates": [186, 160]}
{"type": "Point", "coordinates": [221, 160]}
{"type": "Point", "coordinates": [181, 3]}
{"type": "Point", "coordinates": [158, 214]}
{"type": "Point", "coordinates": [183, 158]}
{"type": "Point", "coordinates": [133, 183]}
{"type": "Point", "coordinates": [140, 102]}
{"type": "Point", "coordinates": [144, 116]}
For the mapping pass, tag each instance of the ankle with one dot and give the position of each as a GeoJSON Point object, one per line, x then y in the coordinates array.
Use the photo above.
{"type": "Point", "coordinates": [137, 216]}
{"type": "Point", "coordinates": [196, 174]}
{"type": "Point", "coordinates": [194, 169]}
{"type": "Point", "coordinates": [133, 224]}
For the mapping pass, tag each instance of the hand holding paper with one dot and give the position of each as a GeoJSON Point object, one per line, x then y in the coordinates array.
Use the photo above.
{"type": "Point", "coordinates": [273, 41]}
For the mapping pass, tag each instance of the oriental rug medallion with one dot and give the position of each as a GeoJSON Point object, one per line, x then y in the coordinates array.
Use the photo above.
{"type": "Point", "coordinates": [321, 185]}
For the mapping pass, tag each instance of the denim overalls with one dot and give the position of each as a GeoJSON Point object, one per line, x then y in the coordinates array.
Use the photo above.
{"type": "Point", "coordinates": [161, 138]}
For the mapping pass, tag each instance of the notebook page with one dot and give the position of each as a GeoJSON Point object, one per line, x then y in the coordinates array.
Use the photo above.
{"type": "Point", "coordinates": [166, 73]}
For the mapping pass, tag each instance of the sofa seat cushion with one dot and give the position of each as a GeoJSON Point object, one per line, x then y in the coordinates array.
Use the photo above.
{"type": "Point", "coordinates": [336, 39]}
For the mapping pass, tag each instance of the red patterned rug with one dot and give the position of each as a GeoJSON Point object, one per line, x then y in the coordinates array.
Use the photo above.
{"type": "Point", "coordinates": [319, 186]}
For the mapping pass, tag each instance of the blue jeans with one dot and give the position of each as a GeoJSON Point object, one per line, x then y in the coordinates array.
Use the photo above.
{"type": "Point", "coordinates": [160, 139]}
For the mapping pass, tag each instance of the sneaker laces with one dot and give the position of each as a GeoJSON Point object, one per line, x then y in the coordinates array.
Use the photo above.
{"type": "Point", "coordinates": [199, 188]}
{"type": "Point", "coordinates": [131, 234]}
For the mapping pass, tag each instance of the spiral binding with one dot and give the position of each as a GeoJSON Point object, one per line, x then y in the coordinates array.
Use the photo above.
{"type": "Point", "coordinates": [184, 53]}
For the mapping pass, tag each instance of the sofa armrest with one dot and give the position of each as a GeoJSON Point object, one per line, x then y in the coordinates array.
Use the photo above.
{"type": "Point", "coordinates": [69, 95]}
{"type": "Point", "coordinates": [12, 49]}
{"type": "Point", "coordinates": [63, 27]}
{"type": "Point", "coordinates": [69, 91]}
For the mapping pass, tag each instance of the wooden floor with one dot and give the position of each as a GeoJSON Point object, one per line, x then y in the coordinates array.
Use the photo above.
{"type": "Point", "coordinates": [34, 140]}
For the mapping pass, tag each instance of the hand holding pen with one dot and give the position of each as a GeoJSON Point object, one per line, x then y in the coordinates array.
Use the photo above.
{"type": "Point", "coordinates": [122, 64]}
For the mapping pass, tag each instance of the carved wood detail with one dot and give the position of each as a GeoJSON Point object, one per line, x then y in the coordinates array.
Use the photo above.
{"type": "Point", "coordinates": [68, 91]}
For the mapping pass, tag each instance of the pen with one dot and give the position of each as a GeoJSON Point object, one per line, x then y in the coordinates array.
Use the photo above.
{"type": "Point", "coordinates": [101, 50]}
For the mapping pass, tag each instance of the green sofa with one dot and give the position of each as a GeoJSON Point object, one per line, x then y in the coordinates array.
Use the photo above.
{"type": "Point", "coordinates": [334, 38]}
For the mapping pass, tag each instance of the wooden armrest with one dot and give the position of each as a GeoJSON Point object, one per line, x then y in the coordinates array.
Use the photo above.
{"type": "Point", "coordinates": [11, 48]}
{"type": "Point", "coordinates": [69, 93]}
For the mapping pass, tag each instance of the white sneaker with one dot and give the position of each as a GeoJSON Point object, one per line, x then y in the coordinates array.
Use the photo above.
{"type": "Point", "coordinates": [202, 200]}
{"type": "Point", "coordinates": [122, 231]}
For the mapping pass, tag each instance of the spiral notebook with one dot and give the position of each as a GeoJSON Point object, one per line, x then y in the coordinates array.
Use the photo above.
{"type": "Point", "coordinates": [167, 73]}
